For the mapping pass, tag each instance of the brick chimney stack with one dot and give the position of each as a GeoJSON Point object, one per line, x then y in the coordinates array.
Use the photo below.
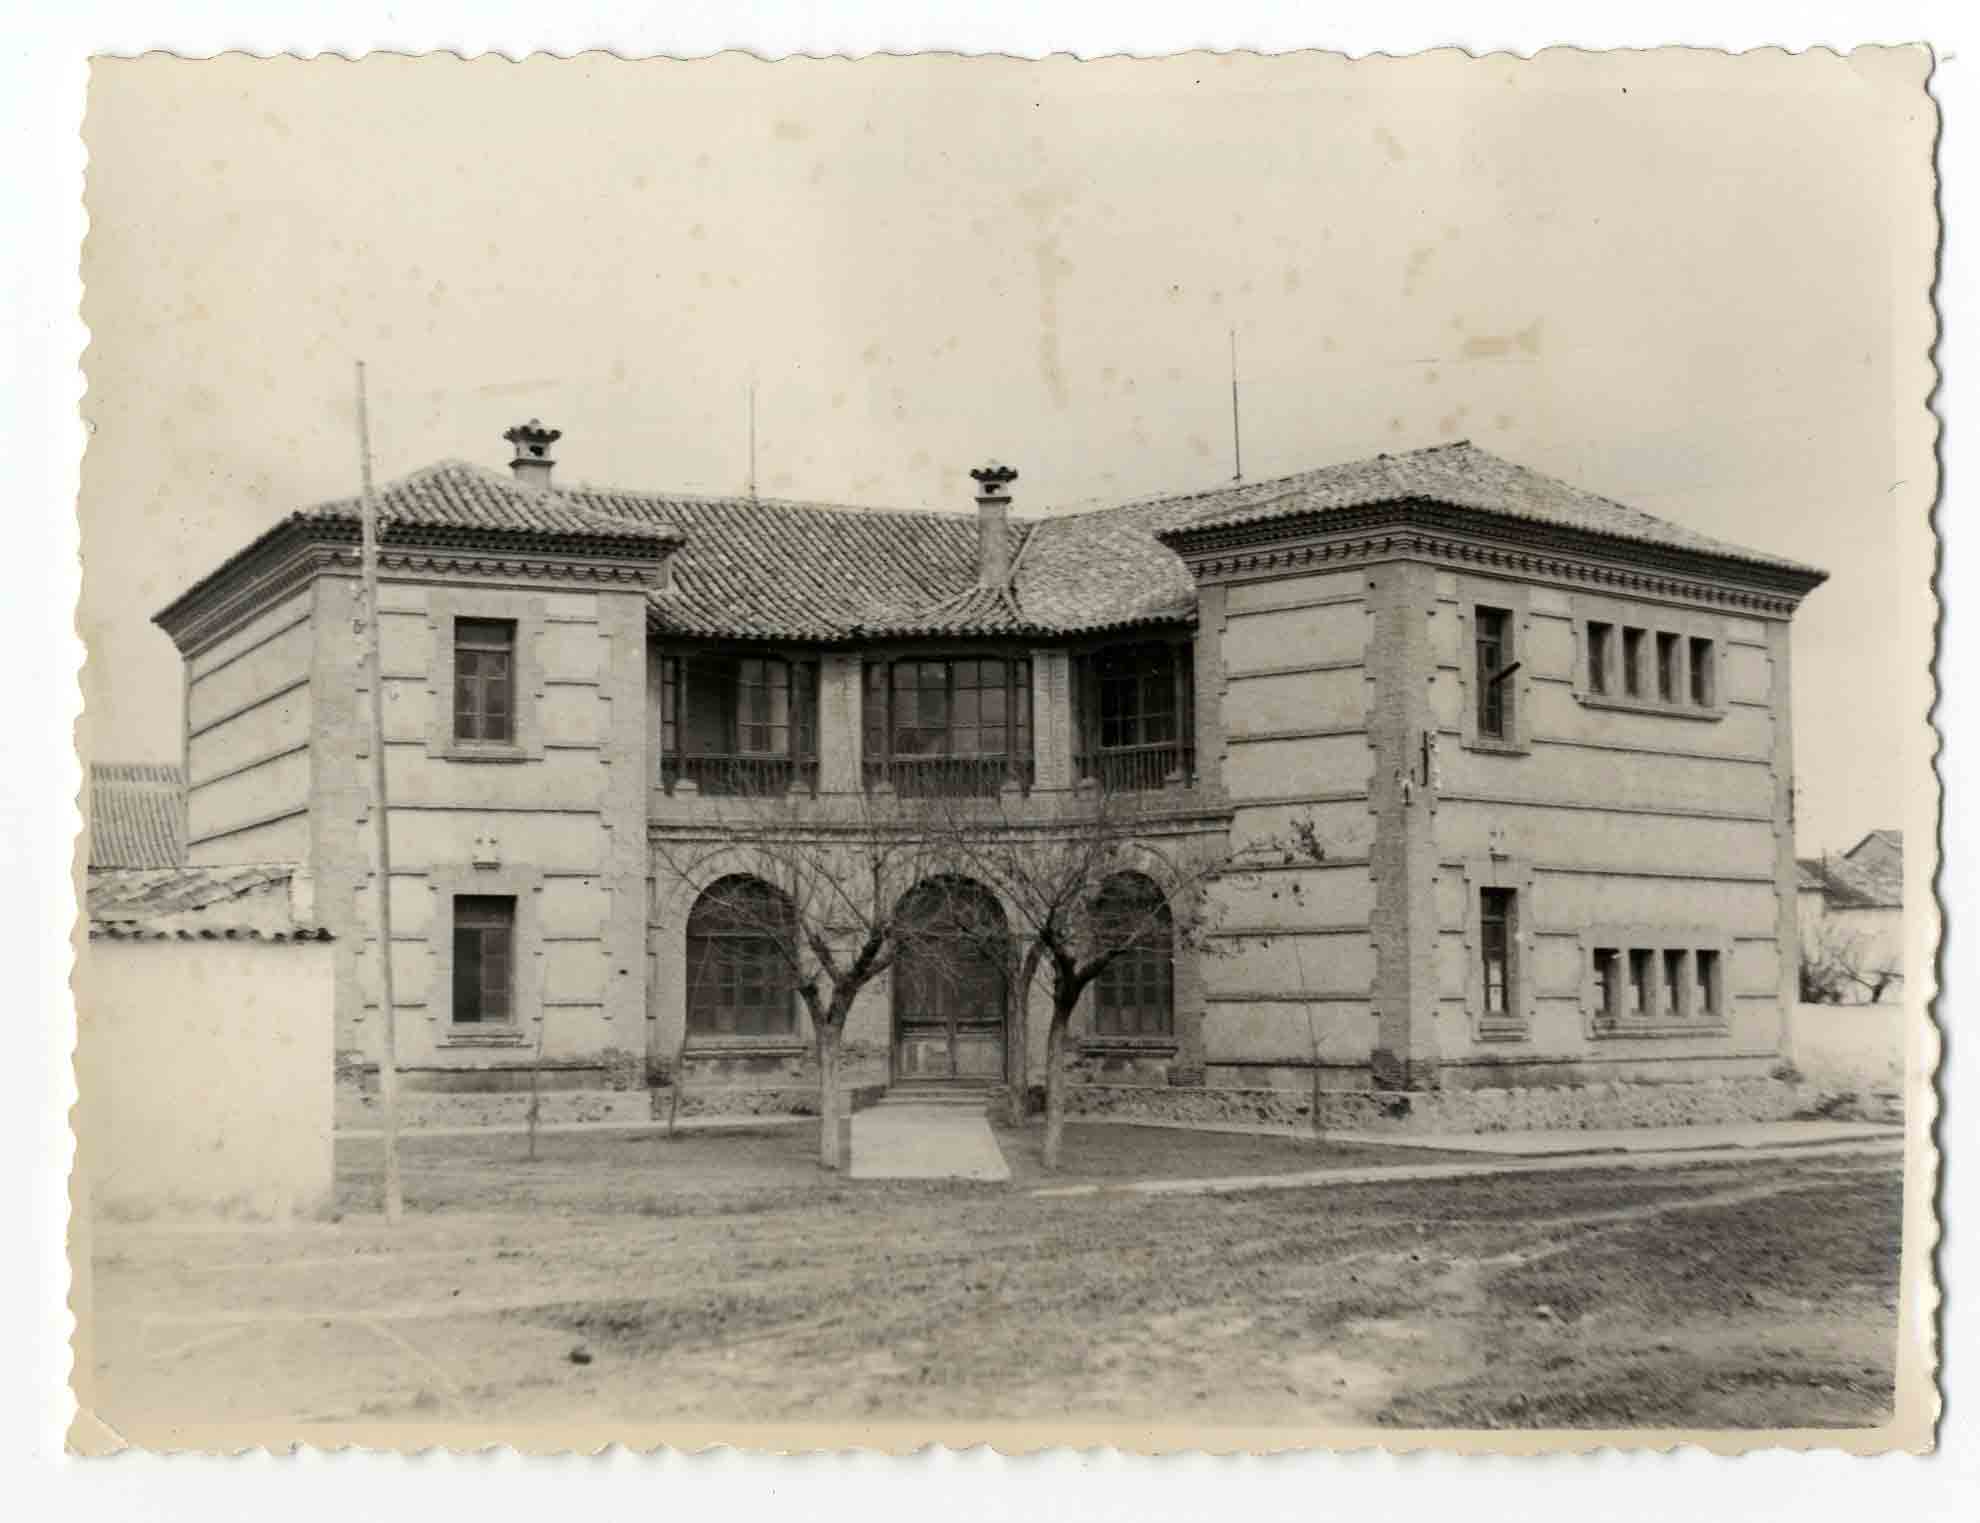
{"type": "Point", "coordinates": [532, 465]}
{"type": "Point", "coordinates": [993, 535]}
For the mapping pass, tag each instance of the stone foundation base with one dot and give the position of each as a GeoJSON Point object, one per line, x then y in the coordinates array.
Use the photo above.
{"type": "Point", "coordinates": [424, 1110]}
{"type": "Point", "coordinates": [1585, 1107]}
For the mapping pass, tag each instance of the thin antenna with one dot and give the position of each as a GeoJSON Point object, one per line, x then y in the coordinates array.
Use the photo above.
{"type": "Point", "coordinates": [381, 890]}
{"type": "Point", "coordinates": [1237, 439]}
{"type": "Point", "coordinates": [752, 441]}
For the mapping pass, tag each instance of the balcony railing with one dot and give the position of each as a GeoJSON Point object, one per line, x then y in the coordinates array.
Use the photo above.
{"type": "Point", "coordinates": [1137, 769]}
{"type": "Point", "coordinates": [949, 776]}
{"type": "Point", "coordinates": [742, 776]}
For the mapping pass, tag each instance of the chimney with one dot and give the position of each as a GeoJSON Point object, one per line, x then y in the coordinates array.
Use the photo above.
{"type": "Point", "coordinates": [993, 539]}
{"type": "Point", "coordinates": [532, 465]}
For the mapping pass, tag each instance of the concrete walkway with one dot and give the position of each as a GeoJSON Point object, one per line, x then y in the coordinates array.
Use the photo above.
{"type": "Point", "coordinates": [1641, 1139]}
{"type": "Point", "coordinates": [937, 1141]}
{"type": "Point", "coordinates": [1404, 1173]}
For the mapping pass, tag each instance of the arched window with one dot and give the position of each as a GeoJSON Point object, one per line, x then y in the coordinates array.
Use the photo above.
{"type": "Point", "coordinates": [739, 980]}
{"type": "Point", "coordinates": [1135, 994]}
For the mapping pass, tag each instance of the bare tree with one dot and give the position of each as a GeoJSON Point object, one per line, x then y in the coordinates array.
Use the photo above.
{"type": "Point", "coordinates": [816, 884]}
{"type": "Point", "coordinates": [1090, 878]}
{"type": "Point", "coordinates": [1836, 960]}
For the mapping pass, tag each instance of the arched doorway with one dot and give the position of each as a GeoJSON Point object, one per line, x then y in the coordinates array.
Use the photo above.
{"type": "Point", "coordinates": [951, 983]}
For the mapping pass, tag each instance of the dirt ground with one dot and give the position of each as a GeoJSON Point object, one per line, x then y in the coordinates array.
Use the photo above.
{"type": "Point", "coordinates": [723, 1277]}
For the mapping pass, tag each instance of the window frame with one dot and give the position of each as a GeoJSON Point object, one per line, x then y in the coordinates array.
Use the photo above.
{"type": "Point", "coordinates": [1478, 876]}
{"type": "Point", "coordinates": [717, 772]}
{"type": "Point", "coordinates": [774, 969]}
{"type": "Point", "coordinates": [885, 766]}
{"type": "Point", "coordinates": [447, 608]}
{"type": "Point", "coordinates": [1664, 641]}
{"type": "Point", "coordinates": [524, 886]}
{"type": "Point", "coordinates": [1513, 600]}
{"type": "Point", "coordinates": [478, 916]}
{"type": "Point", "coordinates": [1607, 1015]}
{"type": "Point", "coordinates": [1142, 765]}
{"type": "Point", "coordinates": [1141, 967]}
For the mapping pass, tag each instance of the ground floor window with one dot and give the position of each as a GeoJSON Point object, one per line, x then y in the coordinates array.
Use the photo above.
{"type": "Point", "coordinates": [1134, 995]}
{"type": "Point", "coordinates": [1495, 940]}
{"type": "Point", "coordinates": [484, 959]}
{"type": "Point", "coordinates": [739, 977]}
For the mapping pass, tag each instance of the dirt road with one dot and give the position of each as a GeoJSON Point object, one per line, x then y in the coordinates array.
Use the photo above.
{"type": "Point", "coordinates": [723, 1278]}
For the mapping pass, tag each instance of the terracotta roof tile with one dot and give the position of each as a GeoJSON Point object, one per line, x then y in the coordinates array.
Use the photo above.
{"type": "Point", "coordinates": [248, 900]}
{"type": "Point", "coordinates": [1458, 475]}
{"type": "Point", "coordinates": [137, 814]}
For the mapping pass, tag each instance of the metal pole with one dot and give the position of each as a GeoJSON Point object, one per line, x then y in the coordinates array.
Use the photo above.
{"type": "Point", "coordinates": [381, 882]}
{"type": "Point", "coordinates": [1237, 441]}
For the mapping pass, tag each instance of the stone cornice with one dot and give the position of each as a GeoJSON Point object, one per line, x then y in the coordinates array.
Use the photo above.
{"type": "Point", "coordinates": [1491, 542]}
{"type": "Point", "coordinates": [281, 563]}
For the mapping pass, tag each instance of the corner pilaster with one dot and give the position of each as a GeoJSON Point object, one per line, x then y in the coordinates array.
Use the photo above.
{"type": "Point", "coordinates": [1402, 861]}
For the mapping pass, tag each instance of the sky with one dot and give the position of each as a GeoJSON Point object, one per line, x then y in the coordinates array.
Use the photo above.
{"type": "Point", "coordinates": [1695, 283]}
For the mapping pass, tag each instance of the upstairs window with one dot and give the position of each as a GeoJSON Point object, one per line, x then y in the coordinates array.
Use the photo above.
{"type": "Point", "coordinates": [1632, 662]}
{"type": "Point", "coordinates": [1667, 667]}
{"type": "Point", "coordinates": [1608, 981]}
{"type": "Point", "coordinates": [1676, 989]}
{"type": "Point", "coordinates": [1134, 715]}
{"type": "Point", "coordinates": [738, 724]}
{"type": "Point", "coordinates": [485, 680]}
{"type": "Point", "coordinates": [957, 727]}
{"type": "Point", "coordinates": [1704, 689]}
{"type": "Point", "coordinates": [1601, 642]}
{"type": "Point", "coordinates": [1492, 630]}
{"type": "Point", "coordinates": [1638, 1006]}
{"type": "Point", "coordinates": [484, 953]}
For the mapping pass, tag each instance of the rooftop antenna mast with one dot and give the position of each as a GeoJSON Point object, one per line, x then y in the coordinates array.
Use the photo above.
{"type": "Point", "coordinates": [1237, 438]}
{"type": "Point", "coordinates": [381, 883]}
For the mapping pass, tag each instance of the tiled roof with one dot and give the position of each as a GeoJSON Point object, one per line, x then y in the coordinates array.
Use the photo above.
{"type": "Point", "coordinates": [768, 569]}
{"type": "Point", "coordinates": [137, 814]}
{"type": "Point", "coordinates": [455, 495]}
{"type": "Point", "coordinates": [1847, 885]}
{"type": "Point", "coordinates": [252, 900]}
{"type": "Point", "coordinates": [1458, 475]}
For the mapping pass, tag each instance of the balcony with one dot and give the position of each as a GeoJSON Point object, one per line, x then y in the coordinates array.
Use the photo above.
{"type": "Point", "coordinates": [1137, 769]}
{"type": "Point", "coordinates": [739, 775]}
{"type": "Point", "coordinates": [950, 776]}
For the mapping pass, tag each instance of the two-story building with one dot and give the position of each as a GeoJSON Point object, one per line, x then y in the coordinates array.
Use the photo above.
{"type": "Point", "coordinates": [1544, 739]}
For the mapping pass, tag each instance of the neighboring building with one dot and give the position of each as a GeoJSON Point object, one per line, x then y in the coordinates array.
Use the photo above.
{"type": "Point", "coordinates": [1544, 738]}
{"type": "Point", "coordinates": [1852, 921]}
{"type": "Point", "coordinates": [137, 815]}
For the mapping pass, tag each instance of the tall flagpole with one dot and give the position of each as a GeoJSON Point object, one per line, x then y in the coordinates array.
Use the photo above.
{"type": "Point", "coordinates": [381, 882]}
{"type": "Point", "coordinates": [1237, 440]}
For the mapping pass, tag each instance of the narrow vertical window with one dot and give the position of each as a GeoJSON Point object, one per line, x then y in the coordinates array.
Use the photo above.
{"type": "Point", "coordinates": [484, 680]}
{"type": "Point", "coordinates": [1667, 662]}
{"type": "Point", "coordinates": [1639, 983]}
{"type": "Point", "coordinates": [484, 949]}
{"type": "Point", "coordinates": [1608, 982]}
{"type": "Point", "coordinates": [1677, 995]}
{"type": "Point", "coordinates": [1702, 675]}
{"type": "Point", "coordinates": [1600, 638]}
{"type": "Point", "coordinates": [1710, 995]}
{"type": "Point", "coordinates": [1632, 662]}
{"type": "Point", "coordinates": [1495, 940]}
{"type": "Point", "coordinates": [1492, 628]}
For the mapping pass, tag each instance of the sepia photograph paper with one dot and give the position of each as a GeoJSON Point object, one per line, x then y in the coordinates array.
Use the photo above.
{"type": "Point", "coordinates": [1215, 753]}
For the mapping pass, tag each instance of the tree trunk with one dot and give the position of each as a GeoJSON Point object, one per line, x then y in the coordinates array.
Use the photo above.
{"type": "Point", "coordinates": [1055, 1090]}
{"type": "Point", "coordinates": [828, 1098]}
{"type": "Point", "coordinates": [1018, 1098]}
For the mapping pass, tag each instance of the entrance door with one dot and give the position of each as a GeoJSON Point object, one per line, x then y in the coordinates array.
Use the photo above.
{"type": "Point", "coordinates": [951, 985]}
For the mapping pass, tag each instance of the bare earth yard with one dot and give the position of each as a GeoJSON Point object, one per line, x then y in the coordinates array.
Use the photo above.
{"type": "Point", "coordinates": [723, 1277]}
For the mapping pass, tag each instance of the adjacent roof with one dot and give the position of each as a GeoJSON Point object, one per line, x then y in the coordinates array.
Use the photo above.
{"type": "Point", "coordinates": [1460, 475]}
{"type": "Point", "coordinates": [766, 569]}
{"type": "Point", "coordinates": [1847, 885]}
{"type": "Point", "coordinates": [194, 903]}
{"type": "Point", "coordinates": [137, 814]}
